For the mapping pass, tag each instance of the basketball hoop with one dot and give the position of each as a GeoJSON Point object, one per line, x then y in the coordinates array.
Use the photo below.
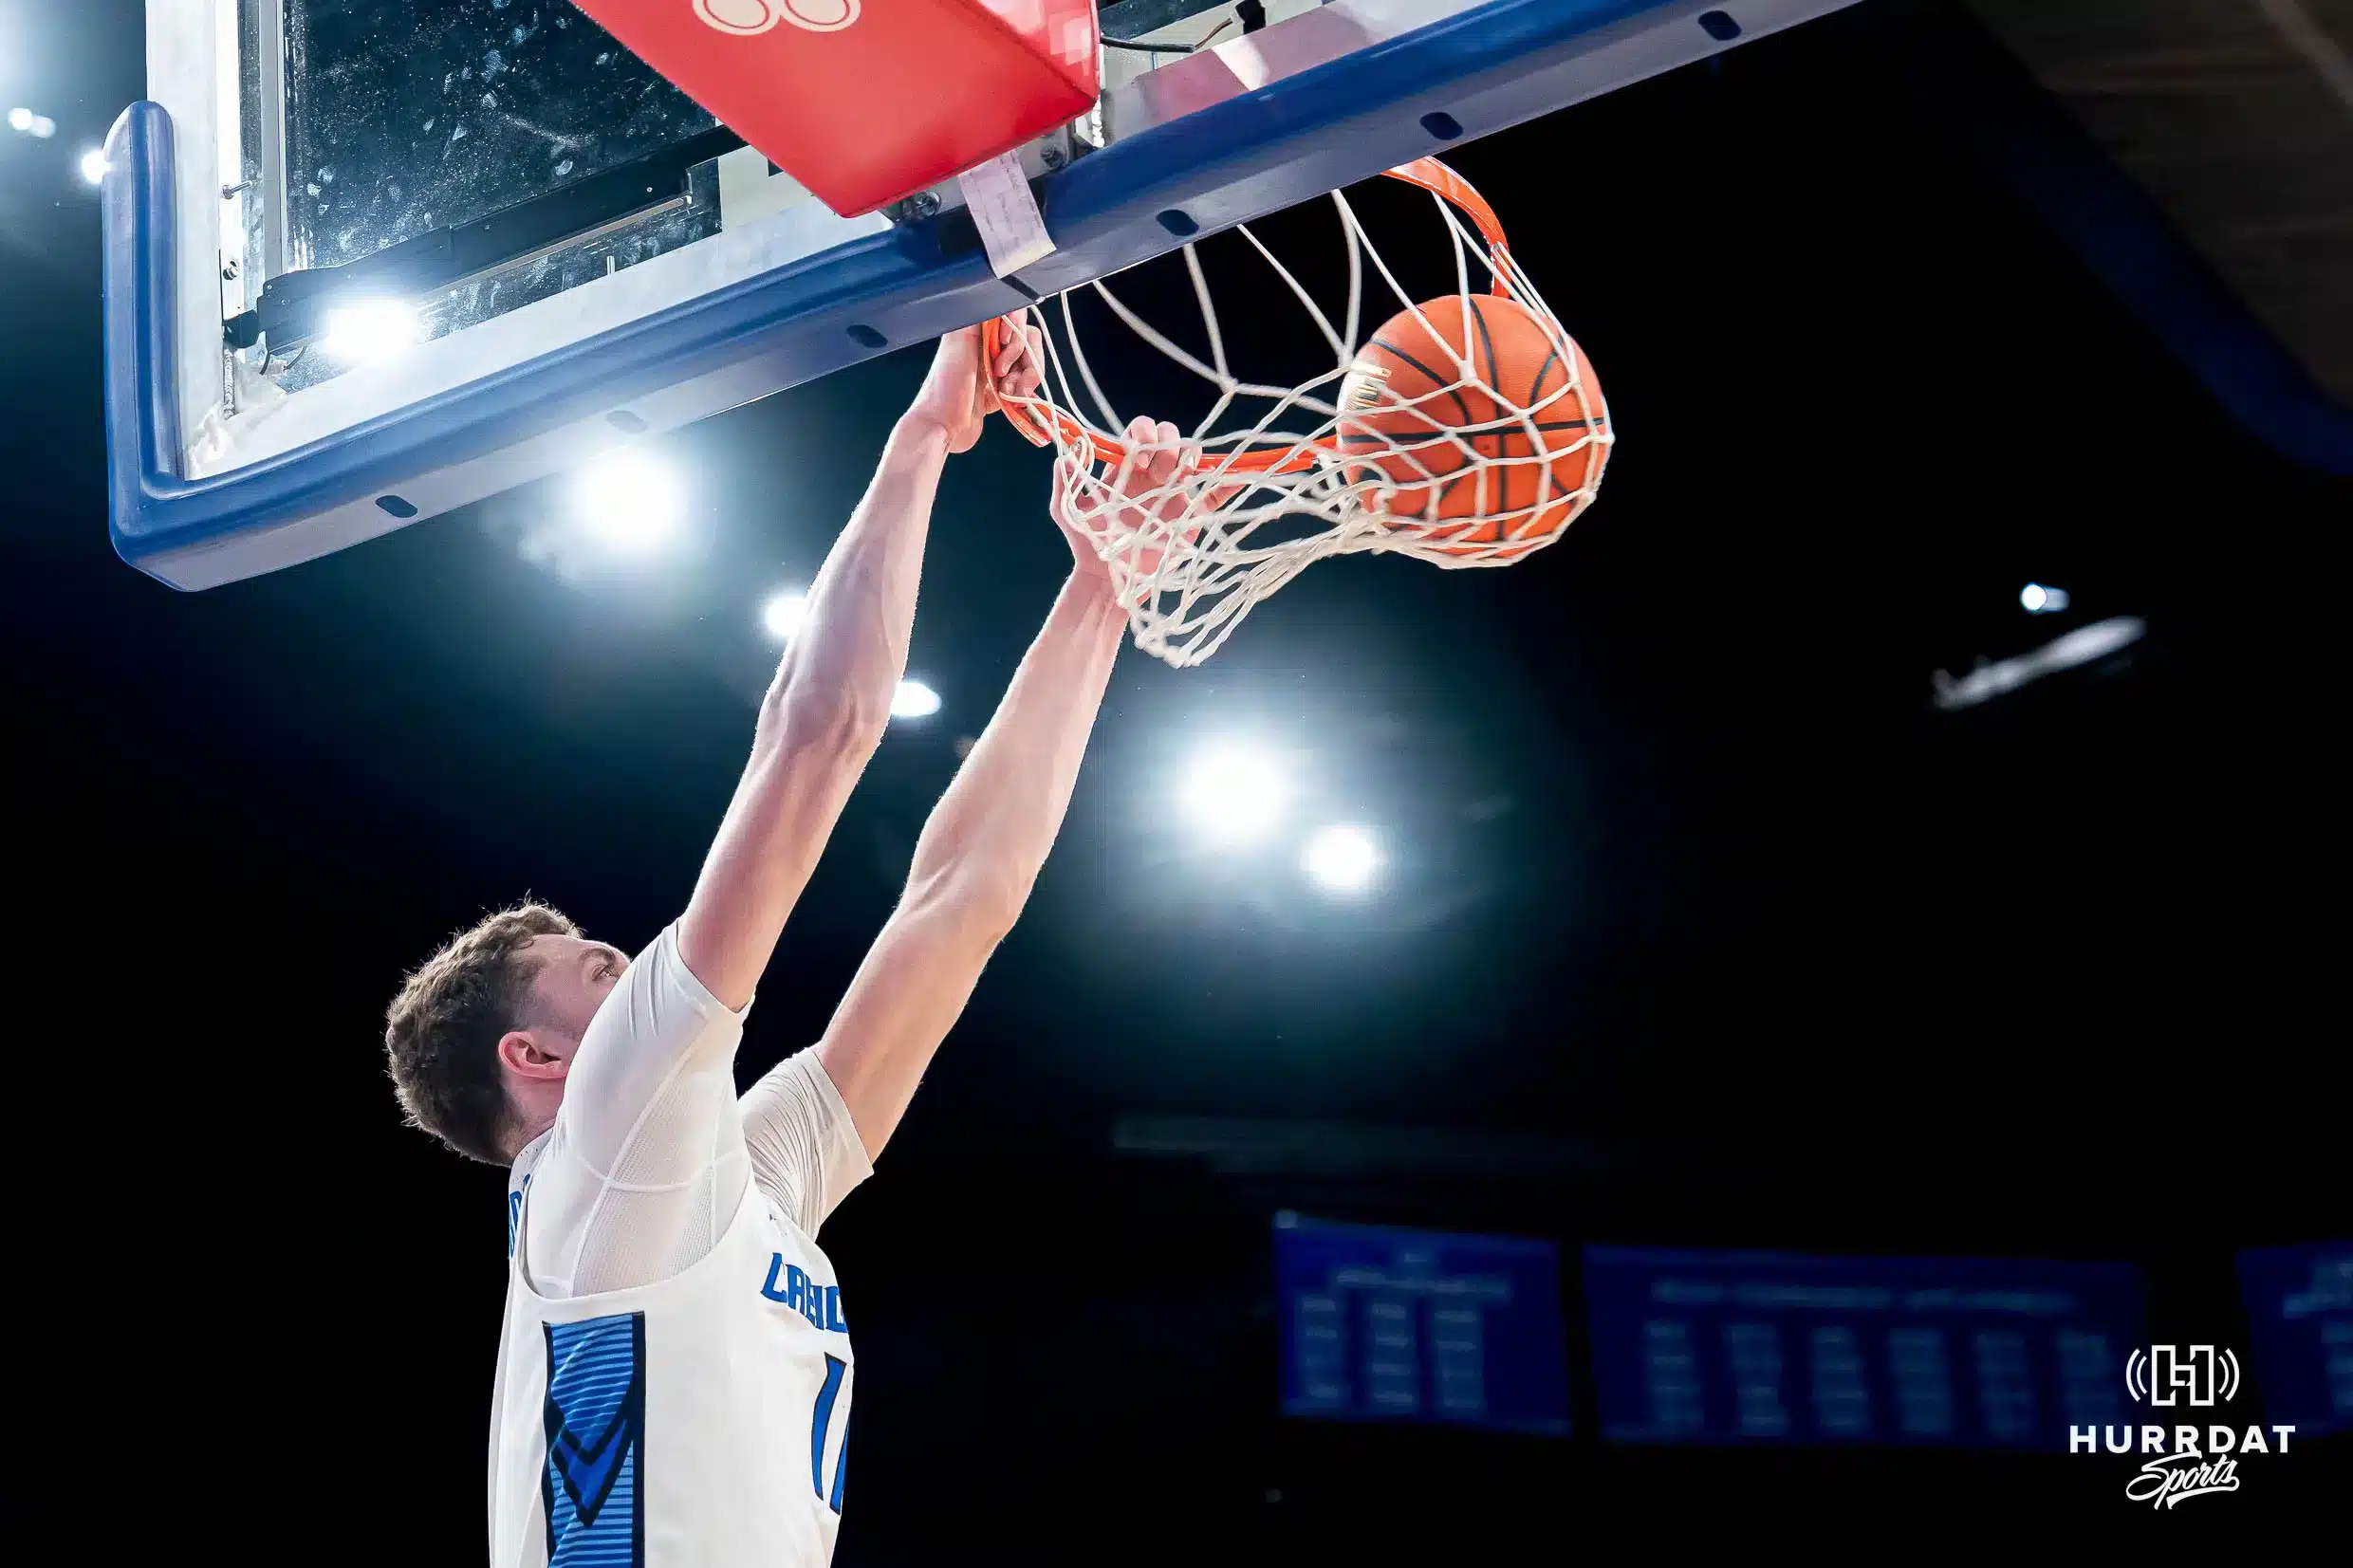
{"type": "Point", "coordinates": [1413, 441]}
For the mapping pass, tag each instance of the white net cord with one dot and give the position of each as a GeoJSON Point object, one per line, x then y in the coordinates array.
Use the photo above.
{"type": "Point", "coordinates": [1200, 526]}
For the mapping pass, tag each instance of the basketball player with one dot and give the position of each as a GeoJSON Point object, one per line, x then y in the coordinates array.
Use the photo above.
{"type": "Point", "coordinates": [675, 1373]}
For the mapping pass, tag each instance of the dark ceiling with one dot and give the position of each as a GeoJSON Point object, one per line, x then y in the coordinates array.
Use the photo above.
{"type": "Point", "coordinates": [2236, 116]}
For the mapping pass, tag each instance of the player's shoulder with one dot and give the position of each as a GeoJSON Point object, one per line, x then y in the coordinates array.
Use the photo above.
{"type": "Point", "coordinates": [660, 994]}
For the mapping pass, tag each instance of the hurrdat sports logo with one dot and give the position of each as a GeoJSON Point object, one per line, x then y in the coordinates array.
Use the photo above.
{"type": "Point", "coordinates": [2183, 1461]}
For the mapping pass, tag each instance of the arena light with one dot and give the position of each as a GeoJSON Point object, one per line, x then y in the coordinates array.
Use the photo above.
{"type": "Point", "coordinates": [630, 499]}
{"type": "Point", "coordinates": [2040, 598]}
{"type": "Point", "coordinates": [2084, 645]}
{"type": "Point", "coordinates": [1234, 794]}
{"type": "Point", "coordinates": [914, 700]}
{"type": "Point", "coordinates": [368, 329]}
{"type": "Point", "coordinates": [20, 118]}
{"type": "Point", "coordinates": [1342, 859]}
{"type": "Point", "coordinates": [784, 615]}
{"type": "Point", "coordinates": [94, 166]}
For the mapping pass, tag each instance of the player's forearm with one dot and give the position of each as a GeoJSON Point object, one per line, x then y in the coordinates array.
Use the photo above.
{"type": "Point", "coordinates": [991, 831]}
{"type": "Point", "coordinates": [852, 647]}
{"type": "Point", "coordinates": [974, 866]}
{"type": "Point", "coordinates": [819, 724]}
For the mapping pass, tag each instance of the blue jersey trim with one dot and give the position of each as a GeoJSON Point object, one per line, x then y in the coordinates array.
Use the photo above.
{"type": "Point", "coordinates": [592, 1480]}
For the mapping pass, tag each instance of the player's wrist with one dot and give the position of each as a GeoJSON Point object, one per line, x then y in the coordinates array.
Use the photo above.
{"type": "Point", "coordinates": [1090, 587]}
{"type": "Point", "coordinates": [920, 432]}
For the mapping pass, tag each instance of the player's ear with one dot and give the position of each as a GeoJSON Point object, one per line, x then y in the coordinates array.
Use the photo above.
{"type": "Point", "coordinates": [521, 1053]}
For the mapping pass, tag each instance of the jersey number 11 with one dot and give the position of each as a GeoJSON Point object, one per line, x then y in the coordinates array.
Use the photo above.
{"type": "Point", "coordinates": [820, 1423]}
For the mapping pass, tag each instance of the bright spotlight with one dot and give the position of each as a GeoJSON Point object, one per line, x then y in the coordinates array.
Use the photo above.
{"type": "Point", "coordinates": [44, 127]}
{"type": "Point", "coordinates": [1234, 795]}
{"type": "Point", "coordinates": [368, 329]}
{"type": "Point", "coordinates": [629, 500]}
{"type": "Point", "coordinates": [914, 700]}
{"type": "Point", "coordinates": [94, 166]}
{"type": "Point", "coordinates": [2042, 599]}
{"type": "Point", "coordinates": [784, 615]}
{"type": "Point", "coordinates": [1342, 859]}
{"type": "Point", "coordinates": [20, 120]}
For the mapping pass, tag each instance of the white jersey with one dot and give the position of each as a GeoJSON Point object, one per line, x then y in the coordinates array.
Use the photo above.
{"type": "Point", "coordinates": [698, 1422]}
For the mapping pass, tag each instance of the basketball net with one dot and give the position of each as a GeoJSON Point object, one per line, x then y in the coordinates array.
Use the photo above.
{"type": "Point", "coordinates": [1251, 505]}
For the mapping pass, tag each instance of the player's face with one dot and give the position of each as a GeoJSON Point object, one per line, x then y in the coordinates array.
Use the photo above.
{"type": "Point", "coordinates": [575, 977]}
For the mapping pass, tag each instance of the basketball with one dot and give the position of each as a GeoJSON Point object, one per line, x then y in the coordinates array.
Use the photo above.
{"type": "Point", "coordinates": [1438, 397]}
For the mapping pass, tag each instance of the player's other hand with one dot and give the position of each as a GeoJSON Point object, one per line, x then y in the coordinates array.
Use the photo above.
{"type": "Point", "coordinates": [1146, 510]}
{"type": "Point", "coordinates": [960, 391]}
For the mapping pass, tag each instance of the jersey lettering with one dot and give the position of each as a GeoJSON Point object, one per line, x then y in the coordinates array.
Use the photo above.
{"type": "Point", "coordinates": [515, 1214]}
{"type": "Point", "coordinates": [820, 1303]}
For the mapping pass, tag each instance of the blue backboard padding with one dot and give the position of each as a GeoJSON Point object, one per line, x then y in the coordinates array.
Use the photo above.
{"type": "Point", "coordinates": [142, 395]}
{"type": "Point", "coordinates": [1774, 1349]}
{"type": "Point", "coordinates": [1488, 69]}
{"type": "Point", "coordinates": [2300, 1314]}
{"type": "Point", "coordinates": [1384, 1324]}
{"type": "Point", "coordinates": [1290, 141]}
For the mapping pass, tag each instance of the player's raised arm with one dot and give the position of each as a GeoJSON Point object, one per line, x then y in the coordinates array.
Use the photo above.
{"type": "Point", "coordinates": [983, 848]}
{"type": "Point", "coordinates": [824, 713]}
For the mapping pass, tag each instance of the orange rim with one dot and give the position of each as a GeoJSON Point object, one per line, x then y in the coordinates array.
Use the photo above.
{"type": "Point", "coordinates": [1058, 427]}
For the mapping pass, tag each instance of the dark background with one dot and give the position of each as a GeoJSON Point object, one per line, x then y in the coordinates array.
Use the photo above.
{"type": "Point", "coordinates": [1691, 883]}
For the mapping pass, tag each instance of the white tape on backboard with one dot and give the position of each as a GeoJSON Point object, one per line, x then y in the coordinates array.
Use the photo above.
{"type": "Point", "coordinates": [1006, 215]}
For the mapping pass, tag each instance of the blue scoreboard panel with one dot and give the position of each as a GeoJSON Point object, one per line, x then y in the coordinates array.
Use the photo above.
{"type": "Point", "coordinates": [1419, 1326]}
{"type": "Point", "coordinates": [1748, 1347]}
{"type": "Point", "coordinates": [2300, 1308]}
